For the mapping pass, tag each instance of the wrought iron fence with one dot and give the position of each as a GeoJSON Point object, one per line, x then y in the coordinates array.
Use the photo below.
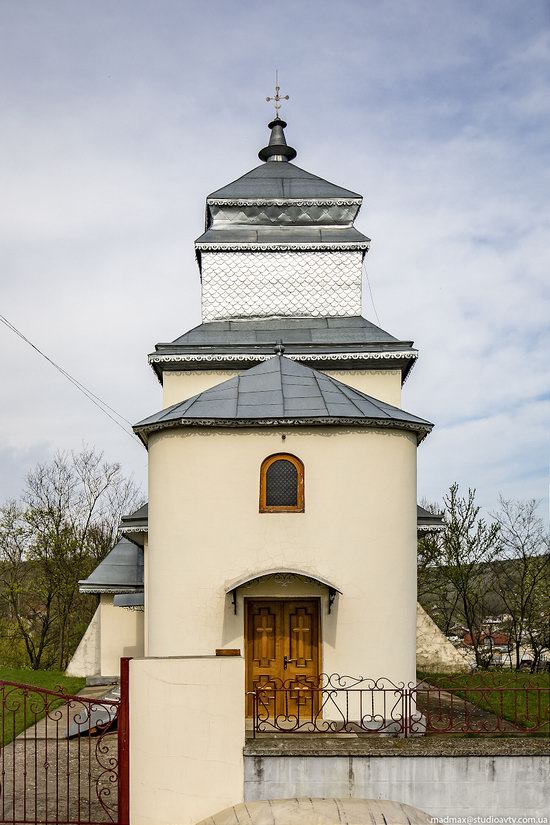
{"type": "Point", "coordinates": [336, 704]}
{"type": "Point", "coordinates": [64, 758]}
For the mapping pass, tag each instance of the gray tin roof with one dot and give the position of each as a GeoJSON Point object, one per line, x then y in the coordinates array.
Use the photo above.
{"type": "Point", "coordinates": [281, 181]}
{"type": "Point", "coordinates": [131, 601]}
{"type": "Point", "coordinates": [121, 571]}
{"type": "Point", "coordinates": [277, 236]}
{"type": "Point", "coordinates": [427, 521]}
{"type": "Point", "coordinates": [338, 331]}
{"type": "Point", "coordinates": [282, 392]}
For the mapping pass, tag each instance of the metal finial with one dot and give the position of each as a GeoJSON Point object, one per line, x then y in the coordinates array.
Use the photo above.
{"type": "Point", "coordinates": [277, 99]}
{"type": "Point", "coordinates": [279, 347]}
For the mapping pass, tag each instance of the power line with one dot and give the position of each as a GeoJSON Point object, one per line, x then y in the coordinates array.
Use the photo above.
{"type": "Point", "coordinates": [371, 295]}
{"type": "Point", "coordinates": [91, 396]}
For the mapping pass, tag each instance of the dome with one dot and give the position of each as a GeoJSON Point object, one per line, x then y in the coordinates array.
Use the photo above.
{"type": "Point", "coordinates": [319, 812]}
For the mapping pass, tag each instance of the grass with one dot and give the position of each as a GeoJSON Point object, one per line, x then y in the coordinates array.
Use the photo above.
{"type": "Point", "coordinates": [513, 696]}
{"type": "Point", "coordinates": [12, 710]}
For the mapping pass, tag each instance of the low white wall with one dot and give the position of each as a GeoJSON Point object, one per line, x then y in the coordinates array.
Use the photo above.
{"type": "Point", "coordinates": [121, 634]}
{"type": "Point", "coordinates": [517, 786]}
{"type": "Point", "coordinates": [186, 738]}
{"type": "Point", "coordinates": [434, 652]}
{"type": "Point", "coordinates": [86, 660]}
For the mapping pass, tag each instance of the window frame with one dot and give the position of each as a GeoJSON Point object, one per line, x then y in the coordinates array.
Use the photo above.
{"type": "Point", "coordinates": [299, 507]}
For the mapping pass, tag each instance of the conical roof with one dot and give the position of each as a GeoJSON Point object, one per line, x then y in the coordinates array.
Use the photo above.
{"type": "Point", "coordinates": [282, 392]}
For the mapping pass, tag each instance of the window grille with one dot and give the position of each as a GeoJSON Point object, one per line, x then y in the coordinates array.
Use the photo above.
{"type": "Point", "coordinates": [282, 484]}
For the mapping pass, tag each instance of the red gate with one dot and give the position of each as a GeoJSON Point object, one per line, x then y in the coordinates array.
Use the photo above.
{"type": "Point", "coordinates": [64, 758]}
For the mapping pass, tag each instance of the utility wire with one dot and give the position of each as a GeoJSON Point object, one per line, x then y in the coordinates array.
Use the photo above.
{"type": "Point", "coordinates": [91, 396]}
{"type": "Point", "coordinates": [371, 295]}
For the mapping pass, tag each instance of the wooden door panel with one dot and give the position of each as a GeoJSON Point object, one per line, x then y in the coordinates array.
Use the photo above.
{"type": "Point", "coordinates": [282, 646]}
{"type": "Point", "coordinates": [301, 640]}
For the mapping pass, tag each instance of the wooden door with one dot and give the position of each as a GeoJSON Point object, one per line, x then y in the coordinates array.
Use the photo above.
{"type": "Point", "coordinates": [282, 649]}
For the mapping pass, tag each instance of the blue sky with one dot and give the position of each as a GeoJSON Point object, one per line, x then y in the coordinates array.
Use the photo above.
{"type": "Point", "coordinates": [119, 117]}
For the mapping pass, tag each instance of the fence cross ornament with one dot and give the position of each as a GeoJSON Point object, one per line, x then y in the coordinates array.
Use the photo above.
{"type": "Point", "coordinates": [276, 100]}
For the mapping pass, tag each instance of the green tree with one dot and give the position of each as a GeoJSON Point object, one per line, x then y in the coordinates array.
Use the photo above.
{"type": "Point", "coordinates": [65, 524]}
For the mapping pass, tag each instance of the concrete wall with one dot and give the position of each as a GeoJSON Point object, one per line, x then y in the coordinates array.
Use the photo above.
{"type": "Point", "coordinates": [86, 660]}
{"type": "Point", "coordinates": [187, 737]}
{"type": "Point", "coordinates": [358, 531]}
{"type": "Point", "coordinates": [121, 634]}
{"type": "Point", "coordinates": [516, 786]}
{"type": "Point", "coordinates": [382, 384]}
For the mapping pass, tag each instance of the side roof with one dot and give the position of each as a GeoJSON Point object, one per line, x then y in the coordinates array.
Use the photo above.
{"type": "Point", "coordinates": [323, 343]}
{"type": "Point", "coordinates": [121, 571]}
{"type": "Point", "coordinates": [281, 391]}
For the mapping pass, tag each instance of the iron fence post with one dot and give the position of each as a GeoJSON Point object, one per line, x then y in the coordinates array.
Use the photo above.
{"type": "Point", "coordinates": [123, 734]}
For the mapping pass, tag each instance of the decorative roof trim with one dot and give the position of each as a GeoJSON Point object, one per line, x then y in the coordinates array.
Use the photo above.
{"type": "Point", "coordinates": [430, 528]}
{"type": "Point", "coordinates": [282, 247]}
{"type": "Point", "coordinates": [284, 201]}
{"type": "Point", "coordinates": [105, 588]}
{"type": "Point", "coordinates": [293, 356]}
{"type": "Point", "coordinates": [137, 529]}
{"type": "Point", "coordinates": [422, 430]}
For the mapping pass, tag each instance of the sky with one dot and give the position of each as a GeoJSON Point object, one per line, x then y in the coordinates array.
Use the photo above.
{"type": "Point", "coordinates": [118, 118]}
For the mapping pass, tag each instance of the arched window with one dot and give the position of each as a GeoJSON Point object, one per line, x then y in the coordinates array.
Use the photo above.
{"type": "Point", "coordinates": [282, 484]}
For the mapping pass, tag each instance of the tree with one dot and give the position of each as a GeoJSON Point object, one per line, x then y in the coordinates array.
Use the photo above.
{"type": "Point", "coordinates": [66, 523]}
{"type": "Point", "coordinates": [522, 573]}
{"type": "Point", "coordinates": [467, 546]}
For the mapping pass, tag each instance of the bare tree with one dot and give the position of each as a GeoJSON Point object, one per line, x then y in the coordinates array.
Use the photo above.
{"type": "Point", "coordinates": [523, 570]}
{"type": "Point", "coordinates": [67, 522]}
{"type": "Point", "coordinates": [468, 547]}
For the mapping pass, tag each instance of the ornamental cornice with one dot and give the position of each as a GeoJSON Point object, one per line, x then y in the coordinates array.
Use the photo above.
{"type": "Point", "coordinates": [99, 588]}
{"type": "Point", "coordinates": [322, 421]}
{"type": "Point", "coordinates": [134, 529]}
{"type": "Point", "coordinates": [318, 356]}
{"type": "Point", "coordinates": [284, 202]}
{"type": "Point", "coordinates": [430, 528]}
{"type": "Point", "coordinates": [282, 247]}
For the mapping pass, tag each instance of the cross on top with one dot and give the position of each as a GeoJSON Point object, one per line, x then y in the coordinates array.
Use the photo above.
{"type": "Point", "coordinates": [277, 99]}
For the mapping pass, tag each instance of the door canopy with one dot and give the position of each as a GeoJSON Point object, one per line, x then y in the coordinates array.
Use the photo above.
{"type": "Point", "coordinates": [282, 575]}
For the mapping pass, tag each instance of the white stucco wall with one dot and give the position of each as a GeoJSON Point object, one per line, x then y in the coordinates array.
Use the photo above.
{"type": "Point", "coordinates": [86, 660]}
{"type": "Point", "coordinates": [187, 738]}
{"type": "Point", "coordinates": [382, 384]}
{"type": "Point", "coordinates": [181, 384]}
{"type": "Point", "coordinates": [121, 634]}
{"type": "Point", "coordinates": [358, 531]}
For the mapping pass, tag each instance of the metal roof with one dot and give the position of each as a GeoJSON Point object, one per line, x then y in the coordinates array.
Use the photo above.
{"type": "Point", "coordinates": [282, 392]}
{"type": "Point", "coordinates": [427, 521]}
{"type": "Point", "coordinates": [281, 181]}
{"type": "Point", "coordinates": [121, 571]}
{"type": "Point", "coordinates": [270, 235]}
{"type": "Point", "coordinates": [307, 331]}
{"type": "Point", "coordinates": [323, 343]}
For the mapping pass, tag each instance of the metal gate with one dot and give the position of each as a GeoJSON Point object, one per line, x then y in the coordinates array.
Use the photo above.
{"type": "Point", "coordinates": [64, 758]}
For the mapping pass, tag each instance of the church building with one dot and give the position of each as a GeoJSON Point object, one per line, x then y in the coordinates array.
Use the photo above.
{"type": "Point", "coordinates": [282, 514]}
